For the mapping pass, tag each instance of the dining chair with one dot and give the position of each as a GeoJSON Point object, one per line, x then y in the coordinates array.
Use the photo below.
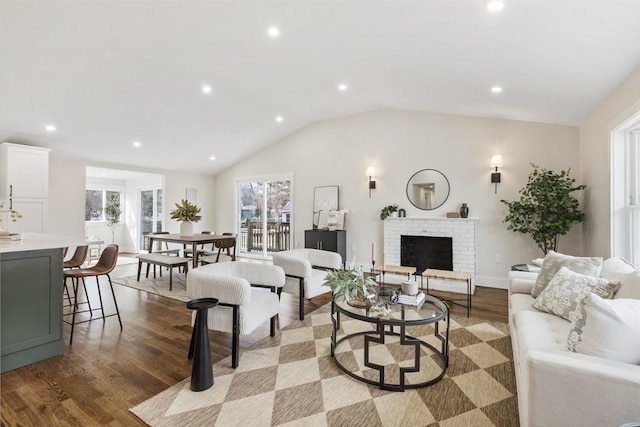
{"type": "Point", "coordinates": [188, 253]}
{"type": "Point", "coordinates": [105, 265]}
{"type": "Point", "coordinates": [229, 247]}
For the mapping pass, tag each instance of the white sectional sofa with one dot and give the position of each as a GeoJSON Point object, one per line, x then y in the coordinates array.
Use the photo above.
{"type": "Point", "coordinates": [558, 387]}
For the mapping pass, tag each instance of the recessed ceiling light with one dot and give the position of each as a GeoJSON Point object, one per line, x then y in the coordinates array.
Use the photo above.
{"type": "Point", "coordinates": [279, 119]}
{"type": "Point", "coordinates": [206, 89]}
{"type": "Point", "coordinates": [495, 6]}
{"type": "Point", "coordinates": [50, 128]}
{"type": "Point", "coordinates": [212, 158]}
{"type": "Point", "coordinates": [137, 144]}
{"type": "Point", "coordinates": [342, 87]}
{"type": "Point", "coordinates": [496, 89]}
{"type": "Point", "coordinates": [273, 32]}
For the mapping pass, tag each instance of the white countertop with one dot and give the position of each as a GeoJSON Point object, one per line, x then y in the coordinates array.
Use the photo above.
{"type": "Point", "coordinates": [36, 241]}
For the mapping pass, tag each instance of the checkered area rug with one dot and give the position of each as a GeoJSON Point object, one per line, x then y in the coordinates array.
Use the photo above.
{"type": "Point", "coordinates": [291, 380]}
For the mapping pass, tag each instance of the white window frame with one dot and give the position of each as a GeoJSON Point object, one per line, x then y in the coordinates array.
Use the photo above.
{"type": "Point", "coordinates": [105, 189]}
{"type": "Point", "coordinates": [625, 190]}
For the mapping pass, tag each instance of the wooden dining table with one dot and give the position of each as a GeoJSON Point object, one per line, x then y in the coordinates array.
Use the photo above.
{"type": "Point", "coordinates": [194, 241]}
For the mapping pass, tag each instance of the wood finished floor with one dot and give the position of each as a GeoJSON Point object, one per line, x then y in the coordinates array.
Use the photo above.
{"type": "Point", "coordinates": [107, 371]}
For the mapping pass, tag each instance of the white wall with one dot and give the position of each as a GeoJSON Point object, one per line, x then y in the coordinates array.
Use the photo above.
{"type": "Point", "coordinates": [397, 144]}
{"type": "Point", "coordinates": [67, 197]}
{"type": "Point", "coordinates": [595, 159]}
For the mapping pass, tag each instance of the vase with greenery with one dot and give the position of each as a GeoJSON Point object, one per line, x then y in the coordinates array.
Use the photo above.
{"type": "Point", "coordinates": [187, 214]}
{"type": "Point", "coordinates": [13, 216]}
{"type": "Point", "coordinates": [387, 211]}
{"type": "Point", "coordinates": [546, 209]}
{"type": "Point", "coordinates": [357, 289]}
{"type": "Point", "coordinates": [112, 212]}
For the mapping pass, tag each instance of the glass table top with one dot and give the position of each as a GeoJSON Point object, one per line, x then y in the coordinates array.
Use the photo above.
{"type": "Point", "coordinates": [430, 310]}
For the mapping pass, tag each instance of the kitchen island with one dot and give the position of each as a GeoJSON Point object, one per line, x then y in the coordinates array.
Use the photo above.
{"type": "Point", "coordinates": [31, 277]}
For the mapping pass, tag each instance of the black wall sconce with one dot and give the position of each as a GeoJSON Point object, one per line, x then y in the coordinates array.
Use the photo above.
{"type": "Point", "coordinates": [372, 183]}
{"type": "Point", "coordinates": [496, 162]}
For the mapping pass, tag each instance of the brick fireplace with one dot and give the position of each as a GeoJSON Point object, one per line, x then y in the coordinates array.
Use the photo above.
{"type": "Point", "coordinates": [462, 232]}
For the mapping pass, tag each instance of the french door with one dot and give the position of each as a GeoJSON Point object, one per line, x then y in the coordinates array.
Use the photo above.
{"type": "Point", "coordinates": [265, 215]}
{"type": "Point", "coordinates": [150, 214]}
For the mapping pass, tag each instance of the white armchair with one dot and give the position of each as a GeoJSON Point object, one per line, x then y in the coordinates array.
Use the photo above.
{"type": "Point", "coordinates": [306, 270]}
{"type": "Point", "coordinates": [247, 293]}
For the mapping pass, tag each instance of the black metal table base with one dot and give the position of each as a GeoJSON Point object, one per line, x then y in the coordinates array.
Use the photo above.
{"type": "Point", "coordinates": [199, 348]}
{"type": "Point", "coordinates": [378, 337]}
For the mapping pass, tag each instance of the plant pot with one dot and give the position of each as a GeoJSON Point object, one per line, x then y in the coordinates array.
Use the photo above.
{"type": "Point", "coordinates": [186, 228]}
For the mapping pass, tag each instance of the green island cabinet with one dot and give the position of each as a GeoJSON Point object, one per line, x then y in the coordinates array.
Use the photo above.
{"type": "Point", "coordinates": [30, 306]}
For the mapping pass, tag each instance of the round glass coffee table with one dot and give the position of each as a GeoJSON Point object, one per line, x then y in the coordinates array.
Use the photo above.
{"type": "Point", "coordinates": [403, 349]}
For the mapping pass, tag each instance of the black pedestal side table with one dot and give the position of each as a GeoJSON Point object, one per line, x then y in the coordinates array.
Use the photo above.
{"type": "Point", "coordinates": [200, 349]}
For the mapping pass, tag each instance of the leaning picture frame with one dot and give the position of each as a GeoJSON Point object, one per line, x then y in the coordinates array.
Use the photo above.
{"type": "Point", "coordinates": [325, 198]}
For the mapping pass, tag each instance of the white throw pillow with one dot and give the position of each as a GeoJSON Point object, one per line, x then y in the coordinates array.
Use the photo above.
{"type": "Point", "coordinates": [630, 286]}
{"type": "Point", "coordinates": [554, 261]}
{"type": "Point", "coordinates": [612, 329]}
{"type": "Point", "coordinates": [567, 289]}
{"type": "Point", "coordinates": [616, 269]}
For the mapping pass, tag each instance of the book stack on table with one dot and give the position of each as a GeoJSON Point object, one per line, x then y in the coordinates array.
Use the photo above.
{"type": "Point", "coordinates": [411, 299]}
{"type": "Point", "coordinates": [6, 236]}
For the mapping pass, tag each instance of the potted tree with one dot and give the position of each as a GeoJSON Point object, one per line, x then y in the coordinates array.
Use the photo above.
{"type": "Point", "coordinates": [358, 290]}
{"type": "Point", "coordinates": [112, 214]}
{"type": "Point", "coordinates": [388, 211]}
{"type": "Point", "coordinates": [187, 214]}
{"type": "Point", "coordinates": [546, 209]}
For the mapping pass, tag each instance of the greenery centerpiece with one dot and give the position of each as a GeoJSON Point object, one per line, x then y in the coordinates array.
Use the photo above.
{"type": "Point", "coordinates": [187, 213]}
{"type": "Point", "coordinates": [546, 210]}
{"type": "Point", "coordinates": [14, 216]}
{"type": "Point", "coordinates": [112, 212]}
{"type": "Point", "coordinates": [357, 289]}
{"type": "Point", "coordinates": [387, 211]}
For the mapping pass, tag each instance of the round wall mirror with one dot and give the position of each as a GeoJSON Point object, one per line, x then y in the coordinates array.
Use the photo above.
{"type": "Point", "coordinates": [428, 189]}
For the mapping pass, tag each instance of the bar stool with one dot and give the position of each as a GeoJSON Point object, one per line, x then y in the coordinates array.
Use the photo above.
{"type": "Point", "coordinates": [199, 348]}
{"type": "Point", "coordinates": [103, 267]}
{"type": "Point", "coordinates": [76, 261]}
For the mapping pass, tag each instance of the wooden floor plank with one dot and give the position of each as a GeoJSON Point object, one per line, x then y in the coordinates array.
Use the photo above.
{"type": "Point", "coordinates": [107, 371]}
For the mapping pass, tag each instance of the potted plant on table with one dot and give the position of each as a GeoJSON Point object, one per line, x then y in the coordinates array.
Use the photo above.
{"type": "Point", "coordinates": [388, 211]}
{"type": "Point", "coordinates": [187, 213]}
{"type": "Point", "coordinates": [546, 210]}
{"type": "Point", "coordinates": [357, 289]}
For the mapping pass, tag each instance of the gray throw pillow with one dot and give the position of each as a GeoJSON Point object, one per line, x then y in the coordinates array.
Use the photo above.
{"type": "Point", "coordinates": [554, 261]}
{"type": "Point", "coordinates": [567, 290]}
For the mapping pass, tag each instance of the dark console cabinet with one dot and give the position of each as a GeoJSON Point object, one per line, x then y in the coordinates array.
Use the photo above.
{"type": "Point", "coordinates": [334, 241]}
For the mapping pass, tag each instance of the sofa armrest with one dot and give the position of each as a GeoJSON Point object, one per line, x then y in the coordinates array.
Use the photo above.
{"type": "Point", "coordinates": [292, 265]}
{"type": "Point", "coordinates": [562, 385]}
{"type": "Point", "coordinates": [521, 282]}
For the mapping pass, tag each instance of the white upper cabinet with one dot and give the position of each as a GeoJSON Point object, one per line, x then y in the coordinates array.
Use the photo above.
{"type": "Point", "coordinates": [24, 171]}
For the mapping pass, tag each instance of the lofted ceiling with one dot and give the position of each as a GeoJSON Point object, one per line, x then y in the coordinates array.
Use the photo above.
{"type": "Point", "coordinates": [108, 73]}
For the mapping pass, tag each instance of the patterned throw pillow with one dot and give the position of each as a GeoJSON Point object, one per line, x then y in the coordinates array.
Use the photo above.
{"type": "Point", "coordinates": [554, 261]}
{"type": "Point", "coordinates": [611, 330]}
{"type": "Point", "coordinates": [565, 291]}
{"type": "Point", "coordinates": [578, 320]}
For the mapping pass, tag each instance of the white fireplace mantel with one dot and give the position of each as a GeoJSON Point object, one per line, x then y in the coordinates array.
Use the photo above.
{"type": "Point", "coordinates": [462, 231]}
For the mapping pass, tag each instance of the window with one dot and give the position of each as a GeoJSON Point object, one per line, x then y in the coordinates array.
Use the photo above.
{"type": "Point", "coordinates": [626, 190]}
{"type": "Point", "coordinates": [265, 215]}
{"type": "Point", "coordinates": [96, 200]}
